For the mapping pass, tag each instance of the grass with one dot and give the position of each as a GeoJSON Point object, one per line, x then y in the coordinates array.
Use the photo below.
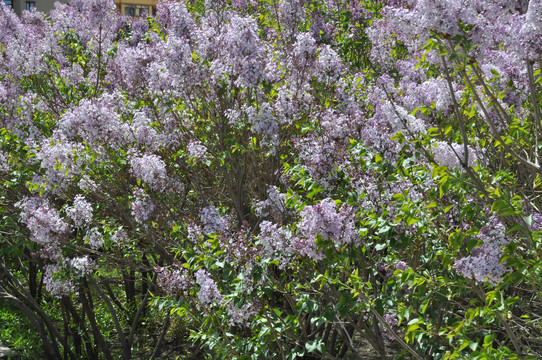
{"type": "Point", "coordinates": [17, 333]}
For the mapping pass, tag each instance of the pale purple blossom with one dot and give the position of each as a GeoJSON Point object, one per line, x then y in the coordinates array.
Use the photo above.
{"type": "Point", "coordinates": [4, 166]}
{"type": "Point", "coordinates": [240, 316]}
{"type": "Point", "coordinates": [212, 221]}
{"type": "Point", "coordinates": [291, 12]}
{"type": "Point", "coordinates": [484, 264]}
{"type": "Point", "coordinates": [197, 150]}
{"type": "Point", "coordinates": [87, 184]}
{"type": "Point", "coordinates": [119, 236]}
{"type": "Point", "coordinates": [326, 220]}
{"type": "Point", "coordinates": [536, 221]}
{"type": "Point", "coordinates": [144, 134]}
{"type": "Point", "coordinates": [142, 207]}
{"type": "Point", "coordinates": [151, 169]}
{"type": "Point", "coordinates": [304, 51]}
{"type": "Point", "coordinates": [61, 159]}
{"type": "Point", "coordinates": [195, 232]}
{"type": "Point", "coordinates": [240, 53]}
{"type": "Point", "coordinates": [277, 242]}
{"type": "Point", "coordinates": [329, 65]}
{"type": "Point", "coordinates": [393, 322]}
{"type": "Point", "coordinates": [96, 121]}
{"type": "Point", "coordinates": [176, 17]}
{"type": "Point", "coordinates": [45, 224]}
{"type": "Point", "coordinates": [274, 205]}
{"type": "Point", "coordinates": [209, 293]}
{"type": "Point", "coordinates": [452, 155]}
{"type": "Point", "coordinates": [55, 284]}
{"type": "Point", "coordinates": [94, 238]}
{"type": "Point", "coordinates": [264, 123]}
{"type": "Point", "coordinates": [84, 265]}
{"type": "Point", "coordinates": [80, 212]}
{"type": "Point", "coordinates": [174, 279]}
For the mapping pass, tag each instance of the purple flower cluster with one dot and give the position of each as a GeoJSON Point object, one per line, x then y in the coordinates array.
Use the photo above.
{"type": "Point", "coordinates": [291, 13]}
{"type": "Point", "coordinates": [484, 264]}
{"type": "Point", "coordinates": [55, 284]}
{"type": "Point", "coordinates": [174, 279]}
{"type": "Point", "coordinates": [119, 236]}
{"type": "Point", "coordinates": [277, 242]}
{"type": "Point", "coordinates": [83, 265]}
{"type": "Point", "coordinates": [393, 322]}
{"type": "Point", "coordinates": [401, 265]}
{"type": "Point", "coordinates": [151, 169]}
{"type": "Point", "coordinates": [4, 166]}
{"type": "Point", "coordinates": [274, 205]}
{"type": "Point", "coordinates": [142, 207]}
{"type": "Point", "coordinates": [196, 150]}
{"type": "Point", "coordinates": [45, 224]}
{"type": "Point", "coordinates": [326, 220]}
{"type": "Point", "coordinates": [94, 238]}
{"type": "Point", "coordinates": [209, 293]}
{"type": "Point", "coordinates": [321, 156]}
{"type": "Point", "coordinates": [212, 221]}
{"type": "Point", "coordinates": [80, 212]}
{"type": "Point", "coordinates": [264, 123]}
{"type": "Point", "coordinates": [95, 122]}
{"type": "Point", "coordinates": [239, 53]}
{"type": "Point", "coordinates": [61, 159]}
{"type": "Point", "coordinates": [240, 316]}
{"type": "Point", "coordinates": [452, 155]}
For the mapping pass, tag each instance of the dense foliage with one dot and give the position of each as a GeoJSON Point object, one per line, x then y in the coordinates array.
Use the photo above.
{"type": "Point", "coordinates": [273, 179]}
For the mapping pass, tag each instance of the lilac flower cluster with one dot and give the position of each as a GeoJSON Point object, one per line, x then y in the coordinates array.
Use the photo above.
{"type": "Point", "coordinates": [291, 13]}
{"type": "Point", "coordinates": [80, 212]}
{"type": "Point", "coordinates": [452, 155]}
{"type": "Point", "coordinates": [238, 245]}
{"type": "Point", "coordinates": [322, 219]}
{"type": "Point", "coordinates": [240, 316]}
{"type": "Point", "coordinates": [329, 65]}
{"type": "Point", "coordinates": [142, 207]}
{"type": "Point", "coordinates": [174, 279]}
{"type": "Point", "coordinates": [278, 243]}
{"type": "Point", "coordinates": [274, 205]}
{"type": "Point", "coordinates": [240, 53]}
{"type": "Point", "coordinates": [209, 293]}
{"type": "Point", "coordinates": [4, 166]}
{"type": "Point", "coordinates": [45, 224]}
{"type": "Point", "coordinates": [196, 150]}
{"type": "Point", "coordinates": [55, 284]}
{"type": "Point", "coordinates": [536, 222]}
{"type": "Point", "coordinates": [87, 184]}
{"type": "Point", "coordinates": [320, 158]}
{"type": "Point", "coordinates": [393, 322]}
{"type": "Point", "coordinates": [212, 221]}
{"type": "Point", "coordinates": [151, 169]}
{"type": "Point", "coordinates": [401, 265]}
{"type": "Point", "coordinates": [61, 160]}
{"type": "Point", "coordinates": [175, 16]}
{"type": "Point", "coordinates": [83, 265]}
{"type": "Point", "coordinates": [145, 135]}
{"type": "Point", "coordinates": [264, 123]}
{"type": "Point", "coordinates": [119, 236]}
{"type": "Point", "coordinates": [94, 238]}
{"type": "Point", "coordinates": [95, 121]}
{"type": "Point", "coordinates": [484, 264]}
{"type": "Point", "coordinates": [326, 220]}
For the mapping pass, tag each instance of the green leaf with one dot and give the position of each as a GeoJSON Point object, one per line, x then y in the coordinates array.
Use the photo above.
{"type": "Point", "coordinates": [488, 340]}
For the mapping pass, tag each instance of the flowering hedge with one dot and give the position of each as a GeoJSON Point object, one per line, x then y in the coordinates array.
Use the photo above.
{"type": "Point", "coordinates": [281, 178]}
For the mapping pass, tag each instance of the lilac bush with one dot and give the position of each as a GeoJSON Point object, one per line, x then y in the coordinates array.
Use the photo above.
{"type": "Point", "coordinates": [279, 179]}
